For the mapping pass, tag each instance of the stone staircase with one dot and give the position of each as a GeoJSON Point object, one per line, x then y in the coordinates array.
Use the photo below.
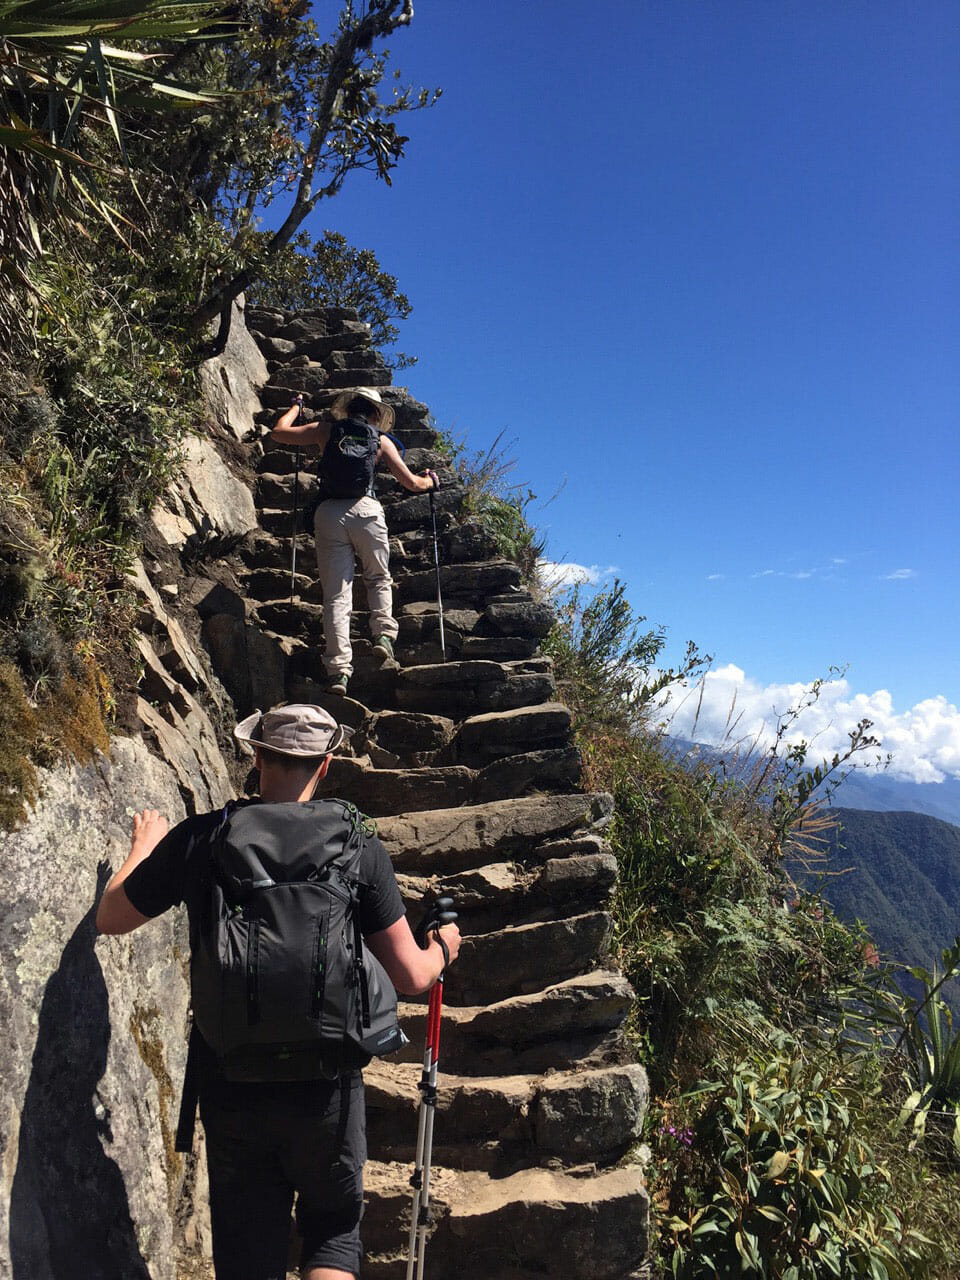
{"type": "Point", "coordinates": [469, 767]}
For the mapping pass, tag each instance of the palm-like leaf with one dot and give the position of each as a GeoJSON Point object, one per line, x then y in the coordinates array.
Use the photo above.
{"type": "Point", "coordinates": [62, 86]}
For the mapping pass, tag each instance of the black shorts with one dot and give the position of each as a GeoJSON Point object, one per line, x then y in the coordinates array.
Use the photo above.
{"type": "Point", "coordinates": [267, 1144]}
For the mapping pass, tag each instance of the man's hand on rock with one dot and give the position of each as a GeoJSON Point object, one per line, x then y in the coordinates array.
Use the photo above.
{"type": "Point", "coordinates": [149, 828]}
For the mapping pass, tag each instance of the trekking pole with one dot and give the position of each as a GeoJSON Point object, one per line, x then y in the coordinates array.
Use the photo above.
{"type": "Point", "coordinates": [438, 915]}
{"type": "Point", "coordinates": [298, 401]}
{"type": "Point", "coordinates": [436, 561]}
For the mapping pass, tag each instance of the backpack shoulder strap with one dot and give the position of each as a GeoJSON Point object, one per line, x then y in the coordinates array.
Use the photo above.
{"type": "Point", "coordinates": [359, 827]}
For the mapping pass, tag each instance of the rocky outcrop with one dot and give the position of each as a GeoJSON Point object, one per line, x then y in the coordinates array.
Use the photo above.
{"type": "Point", "coordinates": [466, 760]}
{"type": "Point", "coordinates": [93, 1041]}
{"type": "Point", "coordinates": [206, 508]}
{"type": "Point", "coordinates": [232, 381]}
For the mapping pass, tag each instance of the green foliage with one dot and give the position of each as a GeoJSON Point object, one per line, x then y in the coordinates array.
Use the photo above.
{"type": "Point", "coordinates": [497, 505]}
{"type": "Point", "coordinates": [927, 1051]}
{"type": "Point", "coordinates": [18, 728]}
{"type": "Point", "coordinates": [62, 719]}
{"type": "Point", "coordinates": [300, 114]}
{"type": "Point", "coordinates": [122, 400]}
{"type": "Point", "coordinates": [69, 74]}
{"type": "Point", "coordinates": [605, 661]}
{"type": "Point", "coordinates": [331, 273]}
{"type": "Point", "coordinates": [710, 933]}
{"type": "Point", "coordinates": [800, 1193]}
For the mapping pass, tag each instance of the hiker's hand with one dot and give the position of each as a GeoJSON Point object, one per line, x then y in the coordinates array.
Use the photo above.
{"type": "Point", "coordinates": [149, 828]}
{"type": "Point", "coordinates": [432, 476]}
{"type": "Point", "coordinates": [450, 933]}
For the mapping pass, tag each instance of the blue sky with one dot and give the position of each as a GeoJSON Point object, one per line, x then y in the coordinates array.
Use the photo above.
{"type": "Point", "coordinates": [699, 261]}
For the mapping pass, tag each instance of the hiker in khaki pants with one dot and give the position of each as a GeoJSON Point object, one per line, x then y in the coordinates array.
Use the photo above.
{"type": "Point", "coordinates": [349, 520]}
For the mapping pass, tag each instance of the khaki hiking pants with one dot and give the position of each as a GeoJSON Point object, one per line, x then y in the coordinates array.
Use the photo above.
{"type": "Point", "coordinates": [344, 529]}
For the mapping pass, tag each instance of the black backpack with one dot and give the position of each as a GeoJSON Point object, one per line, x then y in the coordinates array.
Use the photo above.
{"type": "Point", "coordinates": [349, 461]}
{"type": "Point", "coordinates": [282, 986]}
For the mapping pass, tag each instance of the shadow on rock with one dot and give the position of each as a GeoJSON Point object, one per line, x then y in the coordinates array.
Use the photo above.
{"type": "Point", "coordinates": [69, 1213]}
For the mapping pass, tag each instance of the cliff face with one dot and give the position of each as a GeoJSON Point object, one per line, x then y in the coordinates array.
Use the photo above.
{"type": "Point", "coordinates": [469, 767]}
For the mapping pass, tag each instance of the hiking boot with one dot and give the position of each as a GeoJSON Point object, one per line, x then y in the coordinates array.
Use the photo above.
{"type": "Point", "coordinates": [338, 684]}
{"type": "Point", "coordinates": [383, 647]}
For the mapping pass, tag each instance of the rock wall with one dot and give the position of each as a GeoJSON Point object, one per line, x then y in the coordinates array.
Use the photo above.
{"type": "Point", "coordinates": [469, 766]}
{"type": "Point", "coordinates": [93, 1041]}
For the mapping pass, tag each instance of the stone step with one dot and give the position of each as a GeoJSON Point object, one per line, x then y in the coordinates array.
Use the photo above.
{"type": "Point", "coordinates": [471, 582]}
{"type": "Point", "coordinates": [525, 958]}
{"type": "Point", "coordinates": [545, 771]}
{"type": "Point", "coordinates": [276, 491]}
{"type": "Point", "coordinates": [458, 543]}
{"type": "Point", "coordinates": [574, 1116]}
{"type": "Point", "coordinates": [402, 514]}
{"type": "Point", "coordinates": [501, 733]}
{"type": "Point", "coordinates": [406, 738]}
{"type": "Point", "coordinates": [532, 1029]}
{"type": "Point", "coordinates": [584, 1225]}
{"type": "Point", "coordinates": [300, 619]}
{"type": "Point", "coordinates": [266, 551]}
{"type": "Point", "coordinates": [280, 460]}
{"type": "Point", "coordinates": [520, 686]}
{"type": "Point", "coordinates": [494, 621]}
{"type": "Point", "coordinates": [413, 512]}
{"type": "Point", "coordinates": [463, 688]}
{"type": "Point", "coordinates": [448, 841]}
{"type": "Point", "coordinates": [275, 584]}
{"type": "Point", "coordinates": [508, 892]}
{"type": "Point", "coordinates": [384, 791]}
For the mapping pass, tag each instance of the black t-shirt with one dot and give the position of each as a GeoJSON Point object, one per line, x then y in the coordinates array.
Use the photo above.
{"type": "Point", "coordinates": [174, 873]}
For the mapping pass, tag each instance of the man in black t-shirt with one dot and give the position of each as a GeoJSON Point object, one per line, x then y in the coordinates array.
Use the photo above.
{"type": "Point", "coordinates": [267, 1143]}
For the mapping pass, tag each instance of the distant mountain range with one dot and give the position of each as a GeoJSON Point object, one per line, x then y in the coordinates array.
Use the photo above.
{"type": "Point", "coordinates": [903, 882]}
{"type": "Point", "coordinates": [902, 879]}
{"type": "Point", "coordinates": [883, 794]}
{"type": "Point", "coordinates": [878, 792]}
{"type": "Point", "coordinates": [899, 846]}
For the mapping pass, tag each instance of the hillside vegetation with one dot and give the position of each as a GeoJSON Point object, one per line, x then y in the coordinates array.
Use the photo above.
{"type": "Point", "coordinates": [898, 873]}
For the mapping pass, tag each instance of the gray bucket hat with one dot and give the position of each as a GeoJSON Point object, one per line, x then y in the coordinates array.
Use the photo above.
{"type": "Point", "coordinates": [299, 729]}
{"type": "Point", "coordinates": [339, 407]}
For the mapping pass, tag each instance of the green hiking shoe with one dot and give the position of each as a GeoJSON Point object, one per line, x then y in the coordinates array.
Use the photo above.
{"type": "Point", "coordinates": [383, 646]}
{"type": "Point", "coordinates": [338, 684]}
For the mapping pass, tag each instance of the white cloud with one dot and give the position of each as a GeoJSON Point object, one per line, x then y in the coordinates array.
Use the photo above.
{"type": "Point", "coordinates": [731, 708]}
{"type": "Point", "coordinates": [826, 572]}
{"type": "Point", "coordinates": [899, 575]}
{"type": "Point", "coordinates": [715, 577]}
{"type": "Point", "coordinates": [557, 576]}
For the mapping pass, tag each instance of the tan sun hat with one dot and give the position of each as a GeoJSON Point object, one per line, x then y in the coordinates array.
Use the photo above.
{"type": "Point", "coordinates": [299, 729]}
{"type": "Point", "coordinates": [339, 407]}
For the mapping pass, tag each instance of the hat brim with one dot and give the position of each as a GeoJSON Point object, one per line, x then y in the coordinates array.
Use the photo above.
{"type": "Point", "coordinates": [387, 415]}
{"type": "Point", "coordinates": [247, 727]}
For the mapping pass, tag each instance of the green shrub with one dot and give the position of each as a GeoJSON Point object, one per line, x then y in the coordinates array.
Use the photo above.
{"type": "Point", "coordinates": [797, 1192]}
{"type": "Point", "coordinates": [499, 507]}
